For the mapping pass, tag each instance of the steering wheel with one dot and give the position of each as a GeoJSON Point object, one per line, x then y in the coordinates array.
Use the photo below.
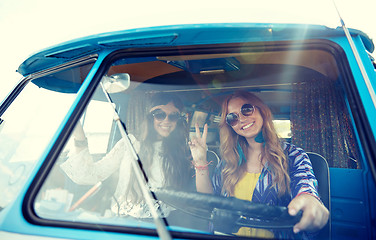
{"type": "Point", "coordinates": [224, 210]}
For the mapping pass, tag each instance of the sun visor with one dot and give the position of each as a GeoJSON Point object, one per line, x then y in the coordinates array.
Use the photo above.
{"type": "Point", "coordinates": [57, 85]}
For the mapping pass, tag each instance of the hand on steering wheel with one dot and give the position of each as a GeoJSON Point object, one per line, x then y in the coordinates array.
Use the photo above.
{"type": "Point", "coordinates": [228, 213]}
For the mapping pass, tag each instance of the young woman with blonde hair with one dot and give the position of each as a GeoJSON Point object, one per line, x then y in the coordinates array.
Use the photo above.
{"type": "Point", "coordinates": [257, 166]}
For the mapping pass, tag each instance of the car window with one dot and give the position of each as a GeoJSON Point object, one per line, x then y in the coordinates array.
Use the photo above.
{"type": "Point", "coordinates": [29, 124]}
{"type": "Point", "coordinates": [92, 180]}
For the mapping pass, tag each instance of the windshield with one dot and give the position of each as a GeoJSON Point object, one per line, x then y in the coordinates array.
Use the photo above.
{"type": "Point", "coordinates": [27, 128]}
{"type": "Point", "coordinates": [164, 103]}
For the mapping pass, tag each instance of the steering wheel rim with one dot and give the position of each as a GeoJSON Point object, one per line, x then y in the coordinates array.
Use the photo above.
{"type": "Point", "coordinates": [222, 210]}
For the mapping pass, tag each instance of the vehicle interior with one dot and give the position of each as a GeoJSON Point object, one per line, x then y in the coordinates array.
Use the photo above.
{"type": "Point", "coordinates": [301, 83]}
{"type": "Point", "coordinates": [287, 81]}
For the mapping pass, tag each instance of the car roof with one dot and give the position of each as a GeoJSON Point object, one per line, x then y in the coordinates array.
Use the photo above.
{"type": "Point", "coordinates": [179, 35]}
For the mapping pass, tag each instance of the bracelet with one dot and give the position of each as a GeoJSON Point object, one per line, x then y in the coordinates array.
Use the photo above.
{"type": "Point", "coordinates": [80, 143]}
{"type": "Point", "coordinates": [203, 167]}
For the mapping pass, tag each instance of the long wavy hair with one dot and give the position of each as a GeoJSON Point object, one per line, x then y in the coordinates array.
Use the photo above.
{"type": "Point", "coordinates": [272, 152]}
{"type": "Point", "coordinates": [176, 155]}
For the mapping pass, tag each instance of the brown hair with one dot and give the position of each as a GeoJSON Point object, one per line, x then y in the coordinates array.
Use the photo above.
{"type": "Point", "coordinates": [176, 158]}
{"type": "Point", "coordinates": [272, 151]}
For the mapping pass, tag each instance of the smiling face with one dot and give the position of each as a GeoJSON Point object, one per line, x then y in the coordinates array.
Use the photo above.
{"type": "Point", "coordinates": [165, 126]}
{"type": "Point", "coordinates": [247, 126]}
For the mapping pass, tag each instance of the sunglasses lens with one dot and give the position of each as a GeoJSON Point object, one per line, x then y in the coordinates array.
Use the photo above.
{"type": "Point", "coordinates": [159, 115]}
{"type": "Point", "coordinates": [232, 119]}
{"type": "Point", "coordinates": [247, 109]}
{"type": "Point", "coordinates": [173, 117]}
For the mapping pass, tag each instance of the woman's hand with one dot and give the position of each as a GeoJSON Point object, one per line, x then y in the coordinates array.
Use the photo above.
{"type": "Point", "coordinates": [80, 140]}
{"type": "Point", "coordinates": [198, 146]}
{"type": "Point", "coordinates": [198, 150]}
{"type": "Point", "coordinates": [315, 214]}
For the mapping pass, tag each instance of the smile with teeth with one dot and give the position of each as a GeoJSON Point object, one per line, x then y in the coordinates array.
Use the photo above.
{"type": "Point", "coordinates": [165, 127]}
{"type": "Point", "coordinates": [248, 126]}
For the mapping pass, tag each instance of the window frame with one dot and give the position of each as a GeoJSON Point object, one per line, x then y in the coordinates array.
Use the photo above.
{"type": "Point", "coordinates": [361, 126]}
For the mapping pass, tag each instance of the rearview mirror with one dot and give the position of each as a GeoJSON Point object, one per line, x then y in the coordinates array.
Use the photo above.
{"type": "Point", "coordinates": [116, 83]}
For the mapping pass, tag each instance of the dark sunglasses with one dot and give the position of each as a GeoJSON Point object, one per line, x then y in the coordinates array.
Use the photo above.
{"type": "Point", "coordinates": [160, 115]}
{"type": "Point", "coordinates": [233, 118]}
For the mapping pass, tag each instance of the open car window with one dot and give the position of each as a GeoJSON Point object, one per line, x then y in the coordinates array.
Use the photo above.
{"type": "Point", "coordinates": [92, 181]}
{"type": "Point", "coordinates": [31, 121]}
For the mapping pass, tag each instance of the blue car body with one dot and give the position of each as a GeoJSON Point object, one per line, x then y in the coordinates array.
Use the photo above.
{"type": "Point", "coordinates": [352, 190]}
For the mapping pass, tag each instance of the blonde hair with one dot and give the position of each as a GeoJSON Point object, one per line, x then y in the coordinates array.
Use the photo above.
{"type": "Point", "coordinates": [271, 152]}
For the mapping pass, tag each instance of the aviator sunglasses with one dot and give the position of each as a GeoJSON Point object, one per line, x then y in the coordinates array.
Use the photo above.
{"type": "Point", "coordinates": [233, 118]}
{"type": "Point", "coordinates": [160, 115]}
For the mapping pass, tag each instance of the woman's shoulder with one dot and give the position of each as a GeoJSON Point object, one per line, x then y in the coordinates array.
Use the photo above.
{"type": "Point", "coordinates": [132, 138]}
{"type": "Point", "coordinates": [294, 153]}
{"type": "Point", "coordinates": [135, 143]}
{"type": "Point", "coordinates": [291, 148]}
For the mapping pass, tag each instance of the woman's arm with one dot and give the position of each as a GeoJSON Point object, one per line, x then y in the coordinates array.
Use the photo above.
{"type": "Point", "coordinates": [315, 214]}
{"type": "Point", "coordinates": [79, 138]}
{"type": "Point", "coordinates": [198, 150]}
{"type": "Point", "coordinates": [81, 168]}
{"type": "Point", "coordinates": [305, 195]}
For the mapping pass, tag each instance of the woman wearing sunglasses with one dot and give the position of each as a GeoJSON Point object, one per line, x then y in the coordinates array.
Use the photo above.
{"type": "Point", "coordinates": [162, 148]}
{"type": "Point", "coordinates": [257, 167]}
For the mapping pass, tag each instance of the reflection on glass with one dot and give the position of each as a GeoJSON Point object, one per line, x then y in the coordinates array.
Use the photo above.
{"type": "Point", "coordinates": [93, 180]}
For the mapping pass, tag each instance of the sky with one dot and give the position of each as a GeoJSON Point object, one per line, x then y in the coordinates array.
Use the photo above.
{"type": "Point", "coordinates": [28, 26]}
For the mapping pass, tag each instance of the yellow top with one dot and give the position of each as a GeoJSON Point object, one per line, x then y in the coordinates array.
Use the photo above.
{"type": "Point", "coordinates": [244, 190]}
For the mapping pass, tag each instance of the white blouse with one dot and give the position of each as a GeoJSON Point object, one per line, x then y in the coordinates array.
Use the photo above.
{"type": "Point", "coordinates": [81, 169]}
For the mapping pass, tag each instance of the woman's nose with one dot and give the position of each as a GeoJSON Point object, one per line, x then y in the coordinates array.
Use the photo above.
{"type": "Point", "coordinates": [242, 117]}
{"type": "Point", "coordinates": [166, 119]}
